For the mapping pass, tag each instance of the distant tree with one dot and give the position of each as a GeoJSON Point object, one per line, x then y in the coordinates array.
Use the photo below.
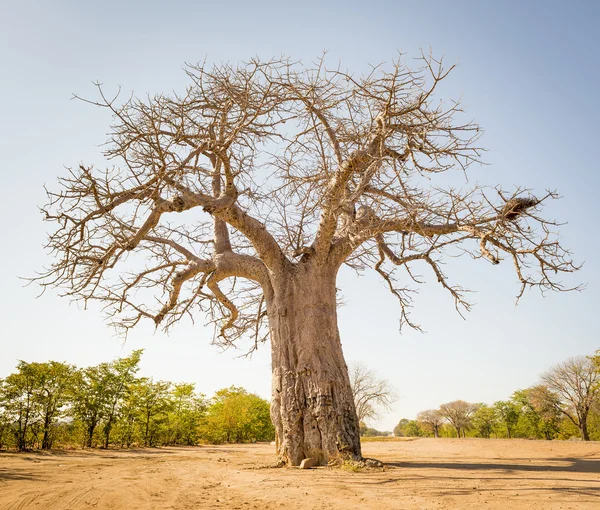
{"type": "Point", "coordinates": [369, 392]}
{"type": "Point", "coordinates": [413, 429]}
{"type": "Point", "coordinates": [234, 415]}
{"type": "Point", "coordinates": [52, 393]}
{"type": "Point", "coordinates": [399, 428]}
{"type": "Point", "coordinates": [371, 432]}
{"type": "Point", "coordinates": [119, 374]}
{"type": "Point", "coordinates": [540, 410]}
{"type": "Point", "coordinates": [485, 420]}
{"type": "Point", "coordinates": [408, 428]}
{"type": "Point", "coordinates": [127, 426]}
{"type": "Point", "coordinates": [508, 412]}
{"type": "Point", "coordinates": [576, 385]}
{"type": "Point", "coordinates": [90, 399]}
{"type": "Point", "coordinates": [32, 398]}
{"type": "Point", "coordinates": [187, 410]}
{"type": "Point", "coordinates": [459, 414]}
{"type": "Point", "coordinates": [5, 419]}
{"type": "Point", "coordinates": [153, 404]}
{"type": "Point", "coordinates": [596, 359]}
{"type": "Point", "coordinates": [98, 391]}
{"type": "Point", "coordinates": [18, 396]}
{"type": "Point", "coordinates": [431, 419]}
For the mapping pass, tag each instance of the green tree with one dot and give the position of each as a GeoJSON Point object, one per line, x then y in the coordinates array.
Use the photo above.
{"type": "Point", "coordinates": [20, 403]}
{"type": "Point", "coordinates": [89, 399]}
{"type": "Point", "coordinates": [371, 432]}
{"type": "Point", "coordinates": [408, 428]}
{"type": "Point", "coordinates": [459, 414]}
{"type": "Point", "coordinates": [119, 375]}
{"type": "Point", "coordinates": [508, 412]}
{"type": "Point", "coordinates": [51, 394]}
{"type": "Point", "coordinates": [235, 415]}
{"type": "Point", "coordinates": [485, 420]}
{"type": "Point", "coordinates": [413, 429]}
{"type": "Point", "coordinates": [540, 411]}
{"type": "Point", "coordinates": [596, 359]}
{"type": "Point", "coordinates": [4, 417]}
{"type": "Point", "coordinates": [399, 428]}
{"type": "Point", "coordinates": [153, 404]}
{"type": "Point", "coordinates": [98, 392]}
{"type": "Point", "coordinates": [188, 409]}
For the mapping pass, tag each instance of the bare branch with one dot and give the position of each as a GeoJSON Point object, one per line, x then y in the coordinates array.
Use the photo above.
{"type": "Point", "coordinates": [219, 193]}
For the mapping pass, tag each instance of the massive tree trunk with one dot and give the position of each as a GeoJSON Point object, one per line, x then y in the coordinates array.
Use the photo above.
{"type": "Point", "coordinates": [312, 407]}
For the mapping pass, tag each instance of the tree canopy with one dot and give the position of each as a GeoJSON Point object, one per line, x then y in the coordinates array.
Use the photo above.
{"type": "Point", "coordinates": [258, 166]}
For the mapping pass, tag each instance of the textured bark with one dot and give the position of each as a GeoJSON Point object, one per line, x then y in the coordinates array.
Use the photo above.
{"type": "Point", "coordinates": [312, 406]}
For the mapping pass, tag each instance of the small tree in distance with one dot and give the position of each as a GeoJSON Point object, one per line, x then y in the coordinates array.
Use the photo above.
{"type": "Point", "coordinates": [508, 412]}
{"type": "Point", "coordinates": [459, 414]}
{"type": "Point", "coordinates": [432, 419]}
{"type": "Point", "coordinates": [242, 197]}
{"type": "Point", "coordinates": [370, 393]}
{"type": "Point", "coordinates": [237, 416]}
{"type": "Point", "coordinates": [574, 387]}
{"type": "Point", "coordinates": [408, 428]}
{"type": "Point", "coordinates": [485, 420]}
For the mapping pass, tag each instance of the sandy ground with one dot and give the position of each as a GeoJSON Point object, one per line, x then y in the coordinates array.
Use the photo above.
{"type": "Point", "coordinates": [420, 474]}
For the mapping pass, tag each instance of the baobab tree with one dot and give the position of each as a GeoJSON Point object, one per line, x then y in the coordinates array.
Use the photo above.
{"type": "Point", "coordinates": [243, 196]}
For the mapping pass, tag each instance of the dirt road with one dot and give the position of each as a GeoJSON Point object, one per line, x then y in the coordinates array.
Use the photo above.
{"type": "Point", "coordinates": [420, 474]}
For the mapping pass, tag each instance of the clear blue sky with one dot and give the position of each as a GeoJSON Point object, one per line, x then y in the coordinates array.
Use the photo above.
{"type": "Point", "coordinates": [528, 74]}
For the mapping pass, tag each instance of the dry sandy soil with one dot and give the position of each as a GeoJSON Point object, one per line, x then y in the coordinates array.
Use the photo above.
{"type": "Point", "coordinates": [419, 474]}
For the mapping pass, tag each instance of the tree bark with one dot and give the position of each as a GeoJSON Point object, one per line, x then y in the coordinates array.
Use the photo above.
{"type": "Point", "coordinates": [583, 427]}
{"type": "Point", "coordinates": [312, 406]}
{"type": "Point", "coordinates": [107, 430]}
{"type": "Point", "coordinates": [47, 440]}
{"type": "Point", "coordinates": [90, 434]}
{"type": "Point", "coordinates": [22, 432]}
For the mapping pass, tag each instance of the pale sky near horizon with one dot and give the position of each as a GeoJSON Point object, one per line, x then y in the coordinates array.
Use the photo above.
{"type": "Point", "coordinates": [528, 75]}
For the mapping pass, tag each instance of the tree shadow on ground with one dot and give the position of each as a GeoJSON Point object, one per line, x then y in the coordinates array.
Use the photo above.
{"type": "Point", "coordinates": [574, 465]}
{"type": "Point", "coordinates": [463, 479]}
{"type": "Point", "coordinates": [16, 474]}
{"type": "Point", "coordinates": [117, 453]}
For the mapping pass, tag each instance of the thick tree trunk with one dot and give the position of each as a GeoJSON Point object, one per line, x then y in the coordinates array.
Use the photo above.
{"type": "Point", "coordinates": [312, 406]}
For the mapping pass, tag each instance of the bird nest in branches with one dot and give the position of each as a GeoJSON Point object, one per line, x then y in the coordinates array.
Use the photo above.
{"type": "Point", "coordinates": [517, 206]}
